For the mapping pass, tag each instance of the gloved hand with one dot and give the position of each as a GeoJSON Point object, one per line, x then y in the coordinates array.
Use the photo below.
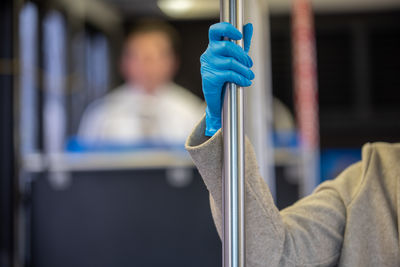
{"type": "Point", "coordinates": [223, 62]}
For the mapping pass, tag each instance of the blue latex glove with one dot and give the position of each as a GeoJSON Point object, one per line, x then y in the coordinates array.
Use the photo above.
{"type": "Point", "coordinates": [223, 62]}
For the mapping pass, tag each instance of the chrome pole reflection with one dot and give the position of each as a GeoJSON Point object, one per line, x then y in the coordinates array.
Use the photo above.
{"type": "Point", "coordinates": [233, 167]}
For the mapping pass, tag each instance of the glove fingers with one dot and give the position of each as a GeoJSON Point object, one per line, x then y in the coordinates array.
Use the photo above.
{"type": "Point", "coordinates": [247, 33]}
{"type": "Point", "coordinates": [226, 63]}
{"type": "Point", "coordinates": [230, 49]}
{"type": "Point", "coordinates": [224, 29]}
{"type": "Point", "coordinates": [236, 78]}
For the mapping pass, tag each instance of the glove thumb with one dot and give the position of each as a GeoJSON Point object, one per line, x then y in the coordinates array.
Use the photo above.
{"type": "Point", "coordinates": [247, 34]}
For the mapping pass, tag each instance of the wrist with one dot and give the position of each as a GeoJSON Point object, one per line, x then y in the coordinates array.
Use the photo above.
{"type": "Point", "coordinates": [213, 124]}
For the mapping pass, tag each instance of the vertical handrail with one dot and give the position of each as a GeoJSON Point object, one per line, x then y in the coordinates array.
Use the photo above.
{"type": "Point", "coordinates": [233, 167]}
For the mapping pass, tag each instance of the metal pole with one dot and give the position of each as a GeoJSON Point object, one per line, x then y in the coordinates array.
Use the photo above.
{"type": "Point", "coordinates": [233, 169]}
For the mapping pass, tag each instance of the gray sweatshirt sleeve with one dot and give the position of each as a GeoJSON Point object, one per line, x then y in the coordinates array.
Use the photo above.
{"type": "Point", "coordinates": [309, 233]}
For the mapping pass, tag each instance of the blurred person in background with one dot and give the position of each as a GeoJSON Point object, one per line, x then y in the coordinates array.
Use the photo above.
{"type": "Point", "coordinates": [149, 106]}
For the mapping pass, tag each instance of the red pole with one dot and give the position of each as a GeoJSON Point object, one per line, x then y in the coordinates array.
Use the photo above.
{"type": "Point", "coordinates": [305, 90]}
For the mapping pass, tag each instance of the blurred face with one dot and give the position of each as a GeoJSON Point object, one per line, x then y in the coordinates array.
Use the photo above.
{"type": "Point", "coordinates": [148, 60]}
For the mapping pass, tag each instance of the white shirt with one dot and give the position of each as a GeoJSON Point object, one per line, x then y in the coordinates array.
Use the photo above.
{"type": "Point", "coordinates": [128, 115]}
